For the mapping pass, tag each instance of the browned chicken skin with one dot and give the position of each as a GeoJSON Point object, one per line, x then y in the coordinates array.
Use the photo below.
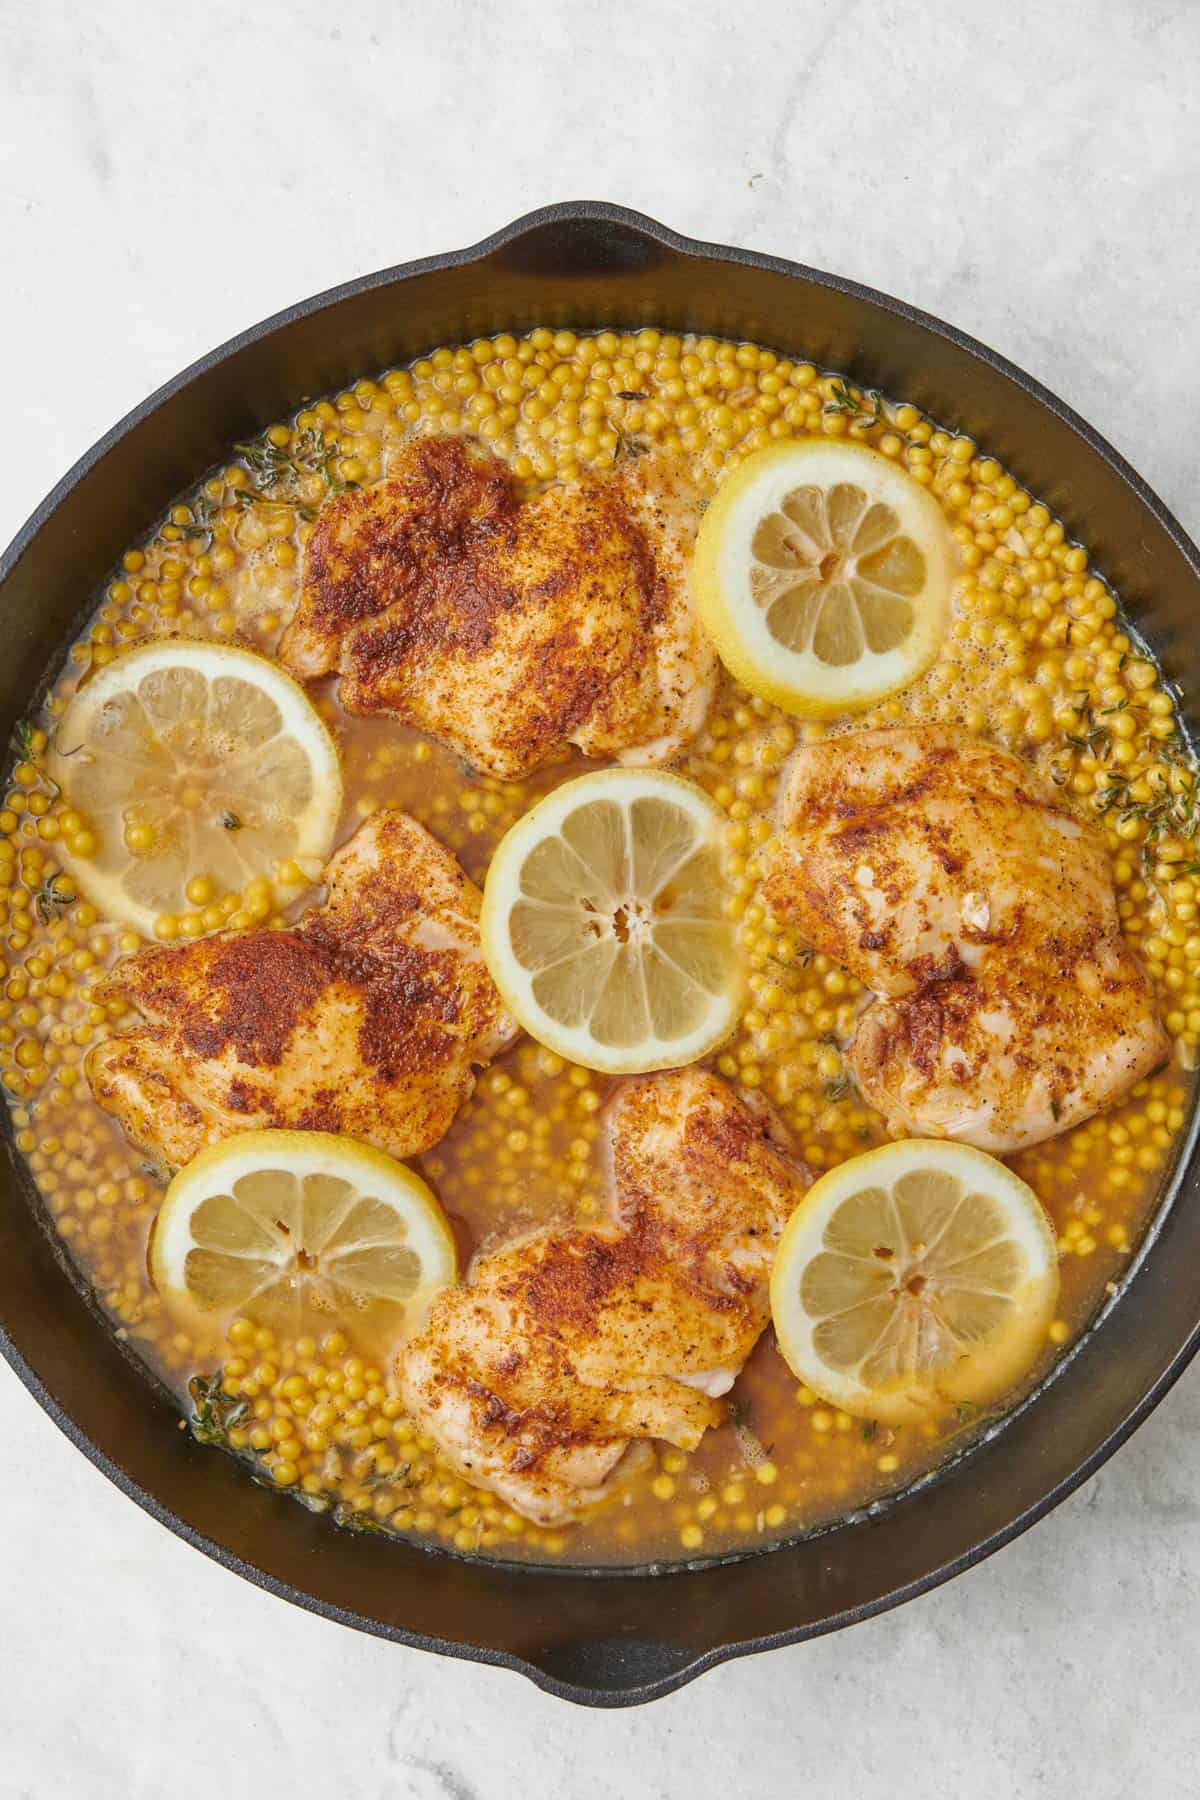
{"type": "Point", "coordinates": [366, 1018]}
{"type": "Point", "coordinates": [936, 869]}
{"type": "Point", "coordinates": [510, 628]}
{"type": "Point", "coordinates": [534, 1376]}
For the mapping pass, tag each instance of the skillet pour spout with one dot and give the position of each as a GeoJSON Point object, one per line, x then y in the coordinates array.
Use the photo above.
{"type": "Point", "coordinates": [602, 1636]}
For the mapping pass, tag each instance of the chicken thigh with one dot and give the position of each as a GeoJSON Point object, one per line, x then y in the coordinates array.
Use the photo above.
{"type": "Point", "coordinates": [367, 1017]}
{"type": "Point", "coordinates": [936, 869]}
{"type": "Point", "coordinates": [511, 628]}
{"type": "Point", "coordinates": [534, 1376]}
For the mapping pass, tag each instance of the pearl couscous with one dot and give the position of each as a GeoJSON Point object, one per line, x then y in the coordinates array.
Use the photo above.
{"type": "Point", "coordinates": [1037, 656]}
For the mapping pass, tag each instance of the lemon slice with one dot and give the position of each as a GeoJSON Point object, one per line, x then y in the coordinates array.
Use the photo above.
{"type": "Point", "coordinates": [603, 923]}
{"type": "Point", "coordinates": [920, 1274]}
{"type": "Point", "coordinates": [824, 575]}
{"type": "Point", "coordinates": [192, 761]}
{"type": "Point", "coordinates": [303, 1230]}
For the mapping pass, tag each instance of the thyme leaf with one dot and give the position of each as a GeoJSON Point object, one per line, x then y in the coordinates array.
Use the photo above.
{"type": "Point", "coordinates": [840, 1086]}
{"type": "Point", "coordinates": [202, 509]}
{"type": "Point", "coordinates": [231, 821]}
{"type": "Point", "coordinates": [841, 400]}
{"type": "Point", "coordinates": [22, 740]}
{"type": "Point", "coordinates": [1097, 742]}
{"type": "Point", "coordinates": [1094, 739]}
{"type": "Point", "coordinates": [349, 1520]}
{"type": "Point", "coordinates": [216, 1412]}
{"type": "Point", "coordinates": [628, 448]}
{"type": "Point", "coordinates": [632, 394]}
{"type": "Point", "coordinates": [50, 897]}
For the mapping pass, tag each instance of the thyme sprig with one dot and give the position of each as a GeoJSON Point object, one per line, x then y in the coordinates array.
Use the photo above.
{"type": "Point", "coordinates": [1171, 814]}
{"type": "Point", "coordinates": [279, 469]}
{"type": "Point", "coordinates": [245, 498]}
{"type": "Point", "coordinates": [21, 744]}
{"type": "Point", "coordinates": [51, 895]}
{"type": "Point", "coordinates": [216, 1412]}
{"type": "Point", "coordinates": [349, 1520]}
{"type": "Point", "coordinates": [202, 508]}
{"type": "Point", "coordinates": [627, 447]}
{"type": "Point", "coordinates": [22, 740]}
{"type": "Point", "coordinates": [1093, 739]}
{"type": "Point", "coordinates": [841, 400]}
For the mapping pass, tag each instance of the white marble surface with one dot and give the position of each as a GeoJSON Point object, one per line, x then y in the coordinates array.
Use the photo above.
{"type": "Point", "coordinates": [1031, 173]}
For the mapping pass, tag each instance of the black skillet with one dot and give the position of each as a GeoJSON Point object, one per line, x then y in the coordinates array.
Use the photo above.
{"type": "Point", "coordinates": [603, 1638]}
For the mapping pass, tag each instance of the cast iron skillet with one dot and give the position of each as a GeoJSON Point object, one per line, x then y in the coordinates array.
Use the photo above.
{"type": "Point", "coordinates": [603, 1638]}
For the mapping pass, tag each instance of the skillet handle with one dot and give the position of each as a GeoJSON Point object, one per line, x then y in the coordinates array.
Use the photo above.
{"type": "Point", "coordinates": [580, 242]}
{"type": "Point", "coordinates": [615, 1671]}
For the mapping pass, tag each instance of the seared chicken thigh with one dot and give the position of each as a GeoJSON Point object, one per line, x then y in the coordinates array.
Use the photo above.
{"type": "Point", "coordinates": [366, 1018]}
{"type": "Point", "coordinates": [535, 1375]}
{"type": "Point", "coordinates": [936, 870]}
{"type": "Point", "coordinates": [511, 628]}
